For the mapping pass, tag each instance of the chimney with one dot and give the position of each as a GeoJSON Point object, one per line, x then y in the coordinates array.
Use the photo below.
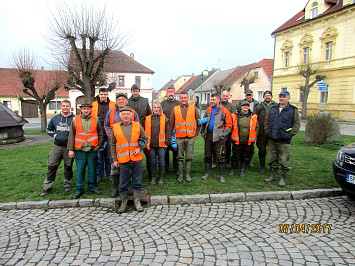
{"type": "Point", "coordinates": [132, 55]}
{"type": "Point", "coordinates": [42, 68]}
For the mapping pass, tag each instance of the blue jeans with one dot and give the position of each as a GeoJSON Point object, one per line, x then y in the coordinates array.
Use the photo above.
{"type": "Point", "coordinates": [153, 153]}
{"type": "Point", "coordinates": [125, 173]}
{"type": "Point", "coordinates": [103, 161]}
{"type": "Point", "coordinates": [85, 159]}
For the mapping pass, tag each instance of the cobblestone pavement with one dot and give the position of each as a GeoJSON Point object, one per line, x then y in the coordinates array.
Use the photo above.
{"type": "Point", "coordinates": [241, 233]}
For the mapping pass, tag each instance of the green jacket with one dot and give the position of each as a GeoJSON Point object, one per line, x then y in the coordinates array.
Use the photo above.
{"type": "Point", "coordinates": [263, 111]}
{"type": "Point", "coordinates": [141, 106]}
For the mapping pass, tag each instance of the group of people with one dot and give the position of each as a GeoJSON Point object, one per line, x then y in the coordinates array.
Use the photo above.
{"type": "Point", "coordinates": [111, 137]}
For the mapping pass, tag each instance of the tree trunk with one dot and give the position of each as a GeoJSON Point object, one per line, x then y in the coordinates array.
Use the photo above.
{"type": "Point", "coordinates": [89, 91]}
{"type": "Point", "coordinates": [43, 112]}
{"type": "Point", "coordinates": [305, 98]}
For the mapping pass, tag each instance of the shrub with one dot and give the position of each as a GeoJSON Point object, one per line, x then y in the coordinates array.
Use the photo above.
{"type": "Point", "coordinates": [322, 128]}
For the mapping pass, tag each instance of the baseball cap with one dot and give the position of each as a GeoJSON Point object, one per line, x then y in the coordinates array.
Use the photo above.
{"type": "Point", "coordinates": [121, 94]}
{"type": "Point", "coordinates": [284, 93]}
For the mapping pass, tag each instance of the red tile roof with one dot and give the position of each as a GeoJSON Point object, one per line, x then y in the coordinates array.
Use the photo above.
{"type": "Point", "coordinates": [10, 85]}
{"type": "Point", "coordinates": [187, 83]}
{"type": "Point", "coordinates": [119, 62]}
{"type": "Point", "coordinates": [236, 74]}
{"type": "Point", "coordinates": [299, 17]}
{"type": "Point", "coordinates": [166, 86]}
{"type": "Point", "coordinates": [267, 65]}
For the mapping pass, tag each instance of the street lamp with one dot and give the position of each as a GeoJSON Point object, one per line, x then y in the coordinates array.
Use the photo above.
{"type": "Point", "coordinates": [204, 73]}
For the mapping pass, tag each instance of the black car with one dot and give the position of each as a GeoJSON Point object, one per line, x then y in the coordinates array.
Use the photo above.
{"type": "Point", "coordinates": [344, 169]}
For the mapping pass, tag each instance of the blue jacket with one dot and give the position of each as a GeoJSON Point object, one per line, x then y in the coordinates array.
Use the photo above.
{"type": "Point", "coordinates": [280, 124]}
{"type": "Point", "coordinates": [60, 125]}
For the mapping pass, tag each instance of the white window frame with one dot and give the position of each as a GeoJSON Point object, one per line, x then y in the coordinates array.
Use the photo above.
{"type": "Point", "coordinates": [305, 55]}
{"type": "Point", "coordinates": [328, 50]}
{"type": "Point", "coordinates": [314, 10]}
{"type": "Point", "coordinates": [287, 59]}
{"type": "Point", "coordinates": [323, 96]}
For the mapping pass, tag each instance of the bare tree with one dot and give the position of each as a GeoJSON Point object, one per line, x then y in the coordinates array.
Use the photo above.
{"type": "Point", "coordinates": [218, 88]}
{"type": "Point", "coordinates": [246, 81]}
{"type": "Point", "coordinates": [307, 71]}
{"type": "Point", "coordinates": [41, 88]}
{"type": "Point", "coordinates": [82, 38]}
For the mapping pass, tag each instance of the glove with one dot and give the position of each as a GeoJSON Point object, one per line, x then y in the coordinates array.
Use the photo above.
{"type": "Point", "coordinates": [202, 121]}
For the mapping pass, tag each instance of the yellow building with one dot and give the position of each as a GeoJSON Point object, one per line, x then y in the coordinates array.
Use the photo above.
{"type": "Point", "coordinates": [323, 36]}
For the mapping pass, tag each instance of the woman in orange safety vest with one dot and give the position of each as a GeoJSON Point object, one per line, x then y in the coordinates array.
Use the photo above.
{"type": "Point", "coordinates": [159, 136]}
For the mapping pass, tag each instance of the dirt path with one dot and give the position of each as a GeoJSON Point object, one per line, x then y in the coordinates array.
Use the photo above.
{"type": "Point", "coordinates": [29, 141]}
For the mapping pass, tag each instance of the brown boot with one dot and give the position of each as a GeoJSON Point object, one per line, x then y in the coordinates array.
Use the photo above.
{"type": "Point", "coordinates": [273, 175]}
{"type": "Point", "coordinates": [124, 200]}
{"type": "Point", "coordinates": [181, 171]}
{"type": "Point", "coordinates": [137, 200]}
{"type": "Point", "coordinates": [188, 168]}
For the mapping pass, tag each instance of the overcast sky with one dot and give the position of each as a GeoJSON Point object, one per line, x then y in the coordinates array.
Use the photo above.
{"type": "Point", "coordinates": [170, 37]}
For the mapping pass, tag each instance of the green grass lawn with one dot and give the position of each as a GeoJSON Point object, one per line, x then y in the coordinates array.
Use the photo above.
{"type": "Point", "coordinates": [23, 170]}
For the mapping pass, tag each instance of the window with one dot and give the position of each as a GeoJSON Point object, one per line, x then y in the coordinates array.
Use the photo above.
{"type": "Point", "coordinates": [7, 104]}
{"type": "Point", "coordinates": [305, 55]}
{"type": "Point", "coordinates": [284, 89]}
{"type": "Point", "coordinates": [138, 80]}
{"type": "Point", "coordinates": [54, 105]}
{"type": "Point", "coordinates": [328, 50]}
{"type": "Point", "coordinates": [314, 10]}
{"type": "Point", "coordinates": [256, 74]}
{"type": "Point", "coordinates": [323, 96]}
{"type": "Point", "coordinates": [120, 81]}
{"type": "Point", "coordinates": [260, 95]}
{"type": "Point", "coordinates": [287, 59]}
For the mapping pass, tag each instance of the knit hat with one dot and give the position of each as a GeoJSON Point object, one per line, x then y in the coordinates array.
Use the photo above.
{"type": "Point", "coordinates": [267, 92]}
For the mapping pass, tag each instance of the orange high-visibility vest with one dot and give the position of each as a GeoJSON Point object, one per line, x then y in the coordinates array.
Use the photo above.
{"type": "Point", "coordinates": [148, 130]}
{"type": "Point", "coordinates": [95, 107]}
{"type": "Point", "coordinates": [185, 128]}
{"type": "Point", "coordinates": [81, 137]}
{"type": "Point", "coordinates": [252, 129]}
{"type": "Point", "coordinates": [112, 116]}
{"type": "Point", "coordinates": [125, 149]}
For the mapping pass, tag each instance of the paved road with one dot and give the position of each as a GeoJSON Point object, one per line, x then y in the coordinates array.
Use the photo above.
{"type": "Point", "coordinates": [243, 233]}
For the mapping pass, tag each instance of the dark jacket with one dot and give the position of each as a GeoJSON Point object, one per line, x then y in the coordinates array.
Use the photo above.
{"type": "Point", "coordinates": [263, 111]}
{"type": "Point", "coordinates": [102, 112]}
{"type": "Point", "coordinates": [282, 126]}
{"type": "Point", "coordinates": [141, 106]}
{"type": "Point", "coordinates": [168, 106]}
{"type": "Point", "coordinates": [230, 107]}
{"type": "Point", "coordinates": [59, 125]}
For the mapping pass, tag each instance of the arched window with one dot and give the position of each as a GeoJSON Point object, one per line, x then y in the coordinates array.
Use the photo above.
{"type": "Point", "coordinates": [314, 10]}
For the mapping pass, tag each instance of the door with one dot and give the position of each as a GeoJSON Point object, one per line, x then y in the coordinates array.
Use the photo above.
{"type": "Point", "coordinates": [29, 109]}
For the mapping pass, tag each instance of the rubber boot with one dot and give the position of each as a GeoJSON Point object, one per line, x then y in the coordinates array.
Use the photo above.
{"type": "Point", "coordinates": [153, 172]}
{"type": "Point", "coordinates": [208, 168]}
{"type": "Point", "coordinates": [242, 170]}
{"type": "Point", "coordinates": [161, 174]}
{"type": "Point", "coordinates": [137, 200]}
{"type": "Point", "coordinates": [262, 167]}
{"type": "Point", "coordinates": [273, 175]}
{"type": "Point", "coordinates": [283, 179]}
{"type": "Point", "coordinates": [221, 173]}
{"type": "Point", "coordinates": [115, 183]}
{"type": "Point", "coordinates": [232, 172]}
{"type": "Point", "coordinates": [124, 201]}
{"type": "Point", "coordinates": [181, 171]}
{"type": "Point", "coordinates": [188, 169]}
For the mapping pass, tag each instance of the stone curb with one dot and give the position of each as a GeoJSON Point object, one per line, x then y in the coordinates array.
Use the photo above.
{"type": "Point", "coordinates": [178, 200]}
